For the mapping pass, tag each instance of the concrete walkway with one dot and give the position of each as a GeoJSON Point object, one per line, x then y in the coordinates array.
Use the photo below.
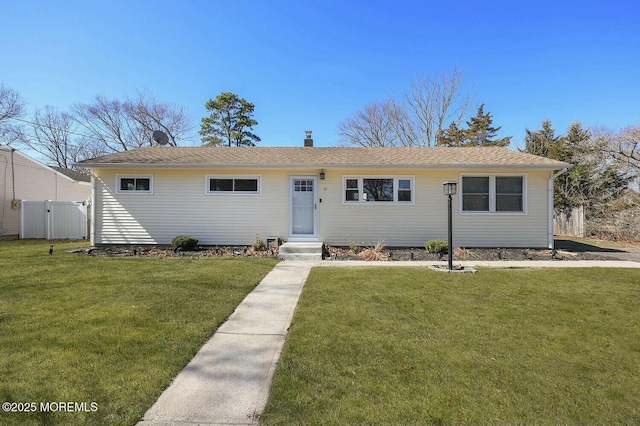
{"type": "Point", "coordinates": [227, 382]}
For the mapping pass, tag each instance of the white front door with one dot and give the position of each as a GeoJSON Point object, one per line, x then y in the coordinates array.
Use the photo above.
{"type": "Point", "coordinates": [303, 214]}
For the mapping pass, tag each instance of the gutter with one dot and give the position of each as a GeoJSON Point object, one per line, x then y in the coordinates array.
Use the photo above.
{"type": "Point", "coordinates": [92, 230]}
{"type": "Point", "coordinates": [314, 166]}
{"type": "Point", "coordinates": [550, 203]}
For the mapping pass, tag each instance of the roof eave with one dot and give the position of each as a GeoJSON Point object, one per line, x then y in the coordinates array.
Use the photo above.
{"type": "Point", "coordinates": [320, 166]}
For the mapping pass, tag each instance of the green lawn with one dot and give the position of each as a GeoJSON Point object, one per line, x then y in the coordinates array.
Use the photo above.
{"type": "Point", "coordinates": [113, 331]}
{"type": "Point", "coordinates": [410, 346]}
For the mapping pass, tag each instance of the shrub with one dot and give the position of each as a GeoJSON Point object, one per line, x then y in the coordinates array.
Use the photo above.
{"type": "Point", "coordinates": [354, 247]}
{"type": "Point", "coordinates": [437, 246]}
{"type": "Point", "coordinates": [185, 242]}
{"type": "Point", "coordinates": [258, 244]}
{"type": "Point", "coordinates": [374, 253]}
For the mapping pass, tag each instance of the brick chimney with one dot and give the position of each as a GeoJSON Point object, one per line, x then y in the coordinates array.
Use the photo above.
{"type": "Point", "coordinates": [307, 140]}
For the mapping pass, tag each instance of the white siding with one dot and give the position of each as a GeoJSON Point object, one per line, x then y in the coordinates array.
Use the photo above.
{"type": "Point", "coordinates": [413, 225]}
{"type": "Point", "coordinates": [179, 205]}
{"type": "Point", "coordinates": [508, 230]}
{"type": "Point", "coordinates": [33, 182]}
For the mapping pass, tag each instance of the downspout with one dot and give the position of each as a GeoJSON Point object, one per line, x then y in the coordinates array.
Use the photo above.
{"type": "Point", "coordinates": [92, 235]}
{"type": "Point", "coordinates": [13, 174]}
{"type": "Point", "coordinates": [550, 202]}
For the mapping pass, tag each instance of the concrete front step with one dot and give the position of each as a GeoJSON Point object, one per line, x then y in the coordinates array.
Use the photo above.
{"type": "Point", "coordinates": [300, 251]}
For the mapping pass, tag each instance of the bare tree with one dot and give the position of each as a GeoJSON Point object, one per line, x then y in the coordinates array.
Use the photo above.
{"type": "Point", "coordinates": [435, 102]}
{"type": "Point", "coordinates": [11, 108]}
{"type": "Point", "coordinates": [619, 148]}
{"type": "Point", "coordinates": [615, 199]}
{"type": "Point", "coordinates": [51, 134]}
{"type": "Point", "coordinates": [373, 126]}
{"type": "Point", "coordinates": [432, 104]}
{"type": "Point", "coordinates": [153, 115]}
{"type": "Point", "coordinates": [121, 126]}
{"type": "Point", "coordinates": [626, 147]}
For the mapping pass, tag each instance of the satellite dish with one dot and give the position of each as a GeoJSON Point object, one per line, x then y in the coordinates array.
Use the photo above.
{"type": "Point", "coordinates": [160, 137]}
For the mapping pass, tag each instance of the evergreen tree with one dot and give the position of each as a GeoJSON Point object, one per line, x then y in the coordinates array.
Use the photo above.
{"type": "Point", "coordinates": [575, 186]}
{"type": "Point", "coordinates": [481, 131]}
{"type": "Point", "coordinates": [539, 142]}
{"type": "Point", "coordinates": [230, 123]}
{"type": "Point", "coordinates": [451, 136]}
{"type": "Point", "coordinates": [591, 181]}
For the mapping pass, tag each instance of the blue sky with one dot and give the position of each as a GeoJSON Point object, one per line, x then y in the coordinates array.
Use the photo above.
{"type": "Point", "coordinates": [309, 65]}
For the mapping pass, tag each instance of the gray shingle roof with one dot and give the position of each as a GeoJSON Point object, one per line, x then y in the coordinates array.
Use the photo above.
{"type": "Point", "coordinates": [73, 174]}
{"type": "Point", "coordinates": [285, 157]}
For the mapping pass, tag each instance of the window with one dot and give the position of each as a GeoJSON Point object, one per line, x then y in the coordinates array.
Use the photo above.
{"type": "Point", "coordinates": [509, 194]}
{"type": "Point", "coordinates": [139, 184]}
{"type": "Point", "coordinates": [404, 190]}
{"type": "Point", "coordinates": [233, 184]}
{"type": "Point", "coordinates": [352, 191]}
{"type": "Point", "coordinates": [475, 194]}
{"type": "Point", "coordinates": [378, 189]}
{"type": "Point", "coordinates": [303, 185]}
{"type": "Point", "coordinates": [491, 194]}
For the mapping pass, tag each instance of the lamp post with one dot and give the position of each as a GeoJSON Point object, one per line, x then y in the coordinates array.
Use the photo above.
{"type": "Point", "coordinates": [449, 189]}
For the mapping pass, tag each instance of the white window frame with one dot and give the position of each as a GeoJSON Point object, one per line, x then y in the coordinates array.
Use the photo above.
{"type": "Point", "coordinates": [233, 193]}
{"type": "Point", "coordinates": [396, 184]}
{"type": "Point", "coordinates": [492, 194]}
{"type": "Point", "coordinates": [134, 191]}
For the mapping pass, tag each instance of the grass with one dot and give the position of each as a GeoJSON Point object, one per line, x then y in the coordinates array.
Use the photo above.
{"type": "Point", "coordinates": [113, 331]}
{"type": "Point", "coordinates": [409, 346]}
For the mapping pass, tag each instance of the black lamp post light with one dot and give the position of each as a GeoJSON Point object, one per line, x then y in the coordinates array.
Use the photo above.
{"type": "Point", "coordinates": [450, 188]}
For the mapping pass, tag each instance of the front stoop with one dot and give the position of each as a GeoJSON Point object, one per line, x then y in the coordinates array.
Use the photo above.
{"type": "Point", "coordinates": [300, 251]}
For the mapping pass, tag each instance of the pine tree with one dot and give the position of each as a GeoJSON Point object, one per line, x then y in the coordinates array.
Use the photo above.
{"type": "Point", "coordinates": [230, 122]}
{"type": "Point", "coordinates": [541, 142]}
{"type": "Point", "coordinates": [451, 136]}
{"type": "Point", "coordinates": [590, 181]}
{"type": "Point", "coordinates": [481, 131]}
{"type": "Point", "coordinates": [574, 187]}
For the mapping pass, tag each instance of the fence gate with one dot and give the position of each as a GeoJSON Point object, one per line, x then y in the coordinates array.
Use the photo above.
{"type": "Point", "coordinates": [53, 220]}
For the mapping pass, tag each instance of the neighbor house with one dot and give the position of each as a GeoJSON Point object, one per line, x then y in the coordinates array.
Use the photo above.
{"type": "Point", "coordinates": [228, 195]}
{"type": "Point", "coordinates": [23, 179]}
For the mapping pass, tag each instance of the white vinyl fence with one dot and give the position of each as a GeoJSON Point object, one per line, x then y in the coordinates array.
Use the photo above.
{"type": "Point", "coordinates": [53, 220]}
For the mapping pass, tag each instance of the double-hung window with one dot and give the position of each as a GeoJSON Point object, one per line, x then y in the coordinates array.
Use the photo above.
{"type": "Point", "coordinates": [134, 184]}
{"type": "Point", "coordinates": [509, 194]}
{"type": "Point", "coordinates": [226, 184]}
{"type": "Point", "coordinates": [383, 189]}
{"type": "Point", "coordinates": [493, 194]}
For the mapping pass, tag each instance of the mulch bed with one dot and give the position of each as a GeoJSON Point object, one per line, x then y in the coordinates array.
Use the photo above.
{"type": "Point", "coordinates": [344, 253]}
{"type": "Point", "coordinates": [156, 251]}
{"type": "Point", "coordinates": [459, 254]}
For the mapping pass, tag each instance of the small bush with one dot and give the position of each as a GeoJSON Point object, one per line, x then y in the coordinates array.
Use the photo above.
{"type": "Point", "coordinates": [258, 244]}
{"type": "Point", "coordinates": [185, 242]}
{"type": "Point", "coordinates": [437, 246]}
{"type": "Point", "coordinates": [354, 247]}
